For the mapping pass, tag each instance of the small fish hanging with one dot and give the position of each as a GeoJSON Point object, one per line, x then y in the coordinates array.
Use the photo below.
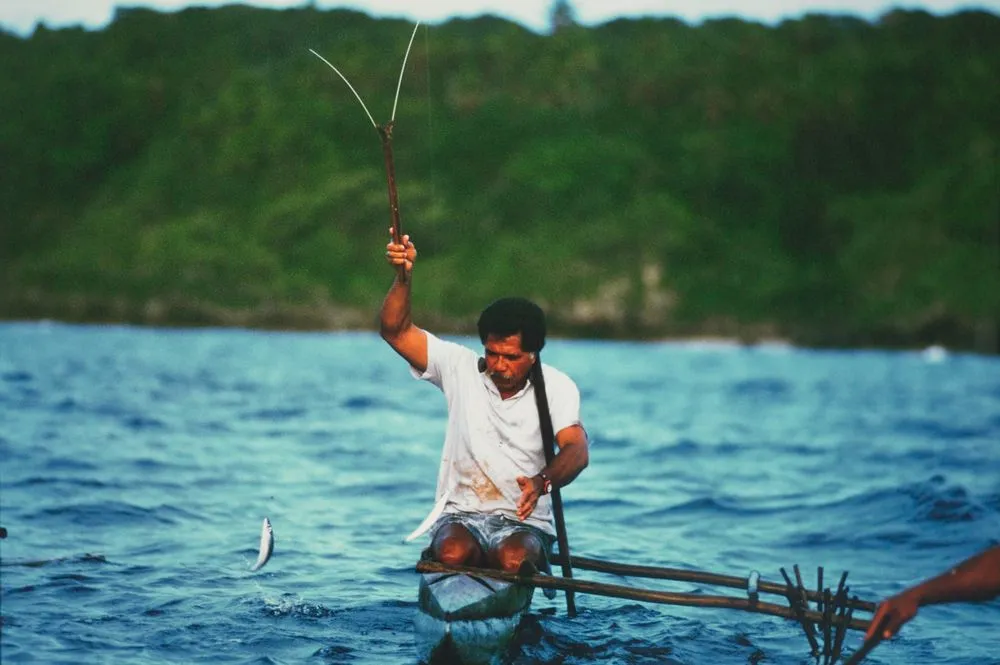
{"type": "Point", "coordinates": [266, 546]}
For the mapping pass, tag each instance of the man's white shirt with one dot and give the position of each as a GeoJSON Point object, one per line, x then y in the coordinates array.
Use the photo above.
{"type": "Point", "coordinates": [491, 441]}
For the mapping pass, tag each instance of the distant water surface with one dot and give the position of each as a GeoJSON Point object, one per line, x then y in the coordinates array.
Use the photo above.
{"type": "Point", "coordinates": [136, 466]}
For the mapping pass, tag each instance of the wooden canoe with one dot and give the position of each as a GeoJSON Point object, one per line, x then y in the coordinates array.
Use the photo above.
{"type": "Point", "coordinates": [467, 619]}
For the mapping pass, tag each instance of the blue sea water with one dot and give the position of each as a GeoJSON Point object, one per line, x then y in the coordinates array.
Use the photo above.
{"type": "Point", "coordinates": [136, 466]}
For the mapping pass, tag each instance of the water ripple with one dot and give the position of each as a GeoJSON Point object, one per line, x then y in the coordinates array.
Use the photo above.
{"type": "Point", "coordinates": [108, 513]}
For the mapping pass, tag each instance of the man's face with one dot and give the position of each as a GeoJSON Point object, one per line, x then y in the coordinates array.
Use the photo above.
{"type": "Point", "coordinates": [506, 363]}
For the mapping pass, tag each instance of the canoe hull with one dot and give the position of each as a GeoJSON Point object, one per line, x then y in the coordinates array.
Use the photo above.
{"type": "Point", "coordinates": [466, 618]}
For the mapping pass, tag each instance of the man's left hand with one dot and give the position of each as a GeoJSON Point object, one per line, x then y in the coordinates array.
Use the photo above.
{"type": "Point", "coordinates": [531, 490]}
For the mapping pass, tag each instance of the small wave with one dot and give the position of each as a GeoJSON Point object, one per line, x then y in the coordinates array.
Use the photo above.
{"type": "Point", "coordinates": [172, 514]}
{"type": "Point", "coordinates": [734, 505]}
{"type": "Point", "coordinates": [75, 584]}
{"type": "Point", "coordinates": [293, 606]}
{"type": "Point", "coordinates": [360, 403]}
{"type": "Point", "coordinates": [396, 571]}
{"type": "Point", "coordinates": [139, 423]}
{"type": "Point", "coordinates": [72, 577]}
{"type": "Point", "coordinates": [625, 632]}
{"type": "Point", "coordinates": [685, 446]}
{"type": "Point", "coordinates": [210, 427]}
{"type": "Point", "coordinates": [39, 481]}
{"type": "Point", "coordinates": [16, 377]}
{"type": "Point", "coordinates": [163, 608]}
{"type": "Point", "coordinates": [934, 502]}
{"type": "Point", "coordinates": [892, 516]}
{"type": "Point", "coordinates": [335, 653]}
{"type": "Point", "coordinates": [682, 448]}
{"type": "Point", "coordinates": [66, 405]}
{"type": "Point", "coordinates": [925, 427]}
{"type": "Point", "coordinates": [275, 414]}
{"type": "Point", "coordinates": [149, 464]}
{"type": "Point", "coordinates": [41, 563]}
{"type": "Point", "coordinates": [109, 513]}
{"type": "Point", "coordinates": [992, 501]}
{"type": "Point", "coordinates": [608, 506]}
{"type": "Point", "coordinates": [760, 389]}
{"type": "Point", "coordinates": [688, 508]}
{"type": "Point", "coordinates": [640, 385]}
{"type": "Point", "coordinates": [21, 396]}
{"type": "Point", "coordinates": [68, 464]}
{"type": "Point", "coordinates": [389, 614]}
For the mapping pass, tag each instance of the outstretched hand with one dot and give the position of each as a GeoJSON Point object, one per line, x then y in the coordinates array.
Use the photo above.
{"type": "Point", "coordinates": [530, 493]}
{"type": "Point", "coordinates": [892, 613]}
{"type": "Point", "coordinates": [403, 253]}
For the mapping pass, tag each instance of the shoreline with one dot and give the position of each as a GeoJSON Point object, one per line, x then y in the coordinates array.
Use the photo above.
{"type": "Point", "coordinates": [330, 317]}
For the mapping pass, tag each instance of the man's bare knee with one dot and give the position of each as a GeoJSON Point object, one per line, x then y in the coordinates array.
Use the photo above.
{"type": "Point", "coordinates": [455, 553]}
{"type": "Point", "coordinates": [511, 553]}
{"type": "Point", "coordinates": [510, 560]}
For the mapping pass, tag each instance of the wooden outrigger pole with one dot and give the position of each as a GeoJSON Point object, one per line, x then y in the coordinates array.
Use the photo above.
{"type": "Point", "coordinates": [549, 448]}
{"type": "Point", "coordinates": [828, 623]}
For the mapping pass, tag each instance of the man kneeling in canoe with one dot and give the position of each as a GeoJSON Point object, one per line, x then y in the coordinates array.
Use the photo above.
{"type": "Point", "coordinates": [493, 481]}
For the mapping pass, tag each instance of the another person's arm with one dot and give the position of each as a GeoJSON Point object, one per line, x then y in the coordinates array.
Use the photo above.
{"type": "Point", "coordinates": [977, 578]}
{"type": "Point", "coordinates": [395, 322]}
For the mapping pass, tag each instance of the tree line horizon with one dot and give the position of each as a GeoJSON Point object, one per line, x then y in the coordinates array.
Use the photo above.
{"type": "Point", "coordinates": [827, 180]}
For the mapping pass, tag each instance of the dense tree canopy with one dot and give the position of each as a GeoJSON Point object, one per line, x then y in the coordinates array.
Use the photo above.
{"type": "Point", "coordinates": [829, 180]}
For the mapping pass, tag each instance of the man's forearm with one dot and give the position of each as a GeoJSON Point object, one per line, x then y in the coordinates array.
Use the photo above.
{"type": "Point", "coordinates": [567, 465]}
{"type": "Point", "coordinates": [394, 317]}
{"type": "Point", "coordinates": [977, 578]}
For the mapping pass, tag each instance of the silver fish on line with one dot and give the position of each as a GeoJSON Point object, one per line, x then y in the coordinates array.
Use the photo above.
{"type": "Point", "coordinates": [266, 545]}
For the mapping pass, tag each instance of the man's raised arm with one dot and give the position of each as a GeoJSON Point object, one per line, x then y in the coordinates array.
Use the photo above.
{"type": "Point", "coordinates": [395, 322]}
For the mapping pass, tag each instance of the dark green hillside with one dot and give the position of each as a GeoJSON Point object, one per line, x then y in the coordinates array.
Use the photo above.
{"type": "Point", "coordinates": [828, 180]}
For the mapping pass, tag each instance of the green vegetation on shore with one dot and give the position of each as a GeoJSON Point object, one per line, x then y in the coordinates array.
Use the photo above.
{"type": "Point", "coordinates": [827, 180]}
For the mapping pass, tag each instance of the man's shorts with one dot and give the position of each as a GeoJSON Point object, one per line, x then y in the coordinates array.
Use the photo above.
{"type": "Point", "coordinates": [489, 529]}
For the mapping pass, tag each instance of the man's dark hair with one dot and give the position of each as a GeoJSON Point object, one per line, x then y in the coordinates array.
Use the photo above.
{"type": "Point", "coordinates": [509, 316]}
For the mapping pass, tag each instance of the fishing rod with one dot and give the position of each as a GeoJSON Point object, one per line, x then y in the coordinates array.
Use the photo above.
{"type": "Point", "coordinates": [385, 132]}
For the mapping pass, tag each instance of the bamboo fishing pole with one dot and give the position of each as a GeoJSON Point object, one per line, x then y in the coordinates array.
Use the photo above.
{"type": "Point", "coordinates": [385, 132]}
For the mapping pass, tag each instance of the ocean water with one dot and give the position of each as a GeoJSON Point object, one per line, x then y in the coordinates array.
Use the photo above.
{"type": "Point", "coordinates": [136, 466]}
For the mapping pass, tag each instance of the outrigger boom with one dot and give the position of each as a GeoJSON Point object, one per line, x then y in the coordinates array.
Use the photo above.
{"type": "Point", "coordinates": [684, 575]}
{"type": "Point", "coordinates": [825, 626]}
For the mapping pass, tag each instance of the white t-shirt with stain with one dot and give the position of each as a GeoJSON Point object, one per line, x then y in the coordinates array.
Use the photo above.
{"type": "Point", "coordinates": [491, 441]}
